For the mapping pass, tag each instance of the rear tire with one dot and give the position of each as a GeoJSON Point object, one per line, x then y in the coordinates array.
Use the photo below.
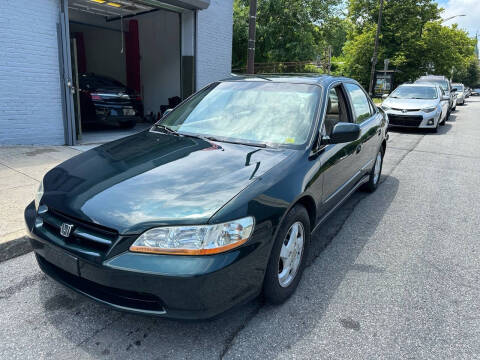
{"type": "Point", "coordinates": [128, 124]}
{"type": "Point", "coordinates": [287, 259]}
{"type": "Point", "coordinates": [374, 178]}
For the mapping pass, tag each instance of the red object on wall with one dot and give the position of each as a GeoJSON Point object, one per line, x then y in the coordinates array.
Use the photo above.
{"type": "Point", "coordinates": [132, 56]}
{"type": "Point", "coordinates": [81, 56]}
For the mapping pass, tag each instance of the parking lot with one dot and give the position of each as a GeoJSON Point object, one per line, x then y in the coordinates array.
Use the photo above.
{"type": "Point", "coordinates": [394, 274]}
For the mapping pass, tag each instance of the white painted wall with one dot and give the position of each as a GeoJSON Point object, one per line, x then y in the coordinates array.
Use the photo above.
{"type": "Point", "coordinates": [214, 42]}
{"type": "Point", "coordinates": [31, 103]}
{"type": "Point", "coordinates": [159, 37]}
{"type": "Point", "coordinates": [103, 51]}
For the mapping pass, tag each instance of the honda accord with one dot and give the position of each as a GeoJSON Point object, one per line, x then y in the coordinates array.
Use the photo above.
{"type": "Point", "coordinates": [216, 203]}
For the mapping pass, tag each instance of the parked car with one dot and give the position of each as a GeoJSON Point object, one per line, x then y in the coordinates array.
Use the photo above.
{"type": "Point", "coordinates": [104, 100]}
{"type": "Point", "coordinates": [446, 86]}
{"type": "Point", "coordinates": [460, 91]}
{"type": "Point", "coordinates": [475, 92]}
{"type": "Point", "coordinates": [468, 92]}
{"type": "Point", "coordinates": [216, 202]}
{"type": "Point", "coordinates": [423, 106]}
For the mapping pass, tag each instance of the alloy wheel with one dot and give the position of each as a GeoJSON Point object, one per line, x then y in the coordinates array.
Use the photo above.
{"type": "Point", "coordinates": [291, 254]}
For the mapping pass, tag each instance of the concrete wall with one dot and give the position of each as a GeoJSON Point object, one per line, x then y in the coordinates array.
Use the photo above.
{"type": "Point", "coordinates": [159, 37]}
{"type": "Point", "coordinates": [214, 42]}
{"type": "Point", "coordinates": [102, 50]}
{"type": "Point", "coordinates": [30, 95]}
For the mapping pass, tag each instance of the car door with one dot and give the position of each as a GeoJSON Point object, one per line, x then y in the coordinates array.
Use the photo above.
{"type": "Point", "coordinates": [337, 172]}
{"type": "Point", "coordinates": [368, 117]}
{"type": "Point", "coordinates": [444, 102]}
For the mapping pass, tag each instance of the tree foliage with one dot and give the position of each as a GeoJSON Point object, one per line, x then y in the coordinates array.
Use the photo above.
{"type": "Point", "coordinates": [287, 30]}
{"type": "Point", "coordinates": [412, 38]}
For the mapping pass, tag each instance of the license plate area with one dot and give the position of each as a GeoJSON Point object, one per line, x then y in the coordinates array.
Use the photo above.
{"type": "Point", "coordinates": [128, 112]}
{"type": "Point", "coordinates": [62, 260]}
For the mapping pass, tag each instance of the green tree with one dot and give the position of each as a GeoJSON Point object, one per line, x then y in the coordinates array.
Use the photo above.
{"type": "Point", "coordinates": [287, 30]}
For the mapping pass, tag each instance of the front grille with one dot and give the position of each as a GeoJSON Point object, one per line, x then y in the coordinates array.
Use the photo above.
{"type": "Point", "coordinates": [406, 110]}
{"type": "Point", "coordinates": [405, 120]}
{"type": "Point", "coordinates": [84, 236]}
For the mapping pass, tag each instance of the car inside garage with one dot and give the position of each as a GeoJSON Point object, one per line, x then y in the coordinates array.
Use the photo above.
{"type": "Point", "coordinates": [130, 61]}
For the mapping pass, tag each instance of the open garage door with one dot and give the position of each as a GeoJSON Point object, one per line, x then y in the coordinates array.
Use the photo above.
{"type": "Point", "coordinates": [130, 61]}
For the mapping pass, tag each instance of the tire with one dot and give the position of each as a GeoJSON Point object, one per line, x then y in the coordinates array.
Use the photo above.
{"type": "Point", "coordinates": [276, 287]}
{"type": "Point", "coordinates": [128, 124]}
{"type": "Point", "coordinates": [374, 177]}
{"type": "Point", "coordinates": [442, 123]}
{"type": "Point", "coordinates": [448, 115]}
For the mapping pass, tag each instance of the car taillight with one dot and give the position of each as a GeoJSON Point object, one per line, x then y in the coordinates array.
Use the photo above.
{"type": "Point", "coordinates": [95, 97]}
{"type": "Point", "coordinates": [138, 98]}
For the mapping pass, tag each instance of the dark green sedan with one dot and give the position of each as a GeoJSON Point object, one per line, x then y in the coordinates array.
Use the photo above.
{"type": "Point", "coordinates": [216, 203]}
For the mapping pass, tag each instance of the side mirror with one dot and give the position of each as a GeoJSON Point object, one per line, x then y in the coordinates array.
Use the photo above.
{"type": "Point", "coordinates": [384, 96]}
{"type": "Point", "coordinates": [168, 111]}
{"type": "Point", "coordinates": [454, 90]}
{"type": "Point", "coordinates": [343, 132]}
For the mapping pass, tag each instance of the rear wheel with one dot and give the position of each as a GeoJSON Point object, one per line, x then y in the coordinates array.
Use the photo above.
{"type": "Point", "coordinates": [374, 177]}
{"type": "Point", "coordinates": [289, 253]}
{"type": "Point", "coordinates": [443, 121]}
{"type": "Point", "coordinates": [128, 124]}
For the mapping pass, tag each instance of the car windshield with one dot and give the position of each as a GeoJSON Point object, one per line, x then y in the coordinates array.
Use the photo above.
{"type": "Point", "coordinates": [459, 87]}
{"type": "Point", "coordinates": [443, 83]}
{"type": "Point", "coordinates": [249, 112]}
{"type": "Point", "coordinates": [415, 92]}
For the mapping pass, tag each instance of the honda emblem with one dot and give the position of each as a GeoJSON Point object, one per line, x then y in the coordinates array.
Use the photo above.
{"type": "Point", "coordinates": [65, 229]}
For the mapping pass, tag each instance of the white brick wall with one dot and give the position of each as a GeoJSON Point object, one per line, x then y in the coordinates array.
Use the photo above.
{"type": "Point", "coordinates": [30, 98]}
{"type": "Point", "coordinates": [214, 42]}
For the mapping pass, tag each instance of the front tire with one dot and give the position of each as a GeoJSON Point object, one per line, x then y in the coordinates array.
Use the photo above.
{"type": "Point", "coordinates": [288, 257]}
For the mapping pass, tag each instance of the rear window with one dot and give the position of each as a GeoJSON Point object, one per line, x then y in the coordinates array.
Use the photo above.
{"type": "Point", "coordinates": [443, 83]}
{"type": "Point", "coordinates": [96, 82]}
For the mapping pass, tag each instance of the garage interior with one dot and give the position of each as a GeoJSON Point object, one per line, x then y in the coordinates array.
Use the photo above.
{"type": "Point", "coordinates": [148, 46]}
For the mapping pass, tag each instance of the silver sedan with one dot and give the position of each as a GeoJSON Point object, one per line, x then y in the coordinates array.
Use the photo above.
{"type": "Point", "coordinates": [423, 106]}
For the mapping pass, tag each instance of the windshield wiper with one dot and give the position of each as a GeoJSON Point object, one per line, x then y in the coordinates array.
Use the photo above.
{"type": "Point", "coordinates": [262, 145]}
{"type": "Point", "coordinates": [167, 129]}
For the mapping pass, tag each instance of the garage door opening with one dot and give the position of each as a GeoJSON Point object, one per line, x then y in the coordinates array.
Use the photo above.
{"type": "Point", "coordinates": [127, 66]}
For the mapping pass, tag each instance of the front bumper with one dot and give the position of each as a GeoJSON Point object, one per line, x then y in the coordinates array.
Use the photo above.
{"type": "Point", "coordinates": [461, 99]}
{"type": "Point", "coordinates": [183, 287]}
{"type": "Point", "coordinates": [413, 119]}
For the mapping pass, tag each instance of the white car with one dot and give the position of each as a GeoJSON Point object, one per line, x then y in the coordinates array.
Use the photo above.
{"type": "Point", "coordinates": [460, 91]}
{"type": "Point", "coordinates": [423, 106]}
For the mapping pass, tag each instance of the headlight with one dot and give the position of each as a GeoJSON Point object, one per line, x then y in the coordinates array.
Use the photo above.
{"type": "Point", "coordinates": [195, 239]}
{"type": "Point", "coordinates": [429, 109]}
{"type": "Point", "coordinates": [39, 195]}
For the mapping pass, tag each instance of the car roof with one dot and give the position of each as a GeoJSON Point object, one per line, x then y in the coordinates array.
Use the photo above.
{"type": "Point", "coordinates": [433, 77]}
{"type": "Point", "coordinates": [426, 84]}
{"type": "Point", "coordinates": [314, 79]}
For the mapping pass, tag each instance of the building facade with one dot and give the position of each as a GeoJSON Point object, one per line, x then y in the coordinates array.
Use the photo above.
{"type": "Point", "coordinates": [183, 45]}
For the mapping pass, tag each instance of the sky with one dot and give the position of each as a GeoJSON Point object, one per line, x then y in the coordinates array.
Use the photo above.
{"type": "Point", "coordinates": [471, 8]}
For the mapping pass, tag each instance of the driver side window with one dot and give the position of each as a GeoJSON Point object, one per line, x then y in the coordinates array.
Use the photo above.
{"type": "Point", "coordinates": [336, 109]}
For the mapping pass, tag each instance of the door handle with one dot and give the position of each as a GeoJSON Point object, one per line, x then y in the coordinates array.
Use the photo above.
{"type": "Point", "coordinates": [359, 148]}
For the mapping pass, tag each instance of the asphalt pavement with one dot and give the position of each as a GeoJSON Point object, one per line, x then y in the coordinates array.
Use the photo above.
{"type": "Point", "coordinates": [392, 275]}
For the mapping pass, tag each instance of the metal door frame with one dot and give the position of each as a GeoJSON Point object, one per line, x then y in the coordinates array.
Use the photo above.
{"type": "Point", "coordinates": [66, 75]}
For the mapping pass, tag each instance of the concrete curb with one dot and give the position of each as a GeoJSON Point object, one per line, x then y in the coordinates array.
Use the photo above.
{"type": "Point", "coordinates": [14, 248]}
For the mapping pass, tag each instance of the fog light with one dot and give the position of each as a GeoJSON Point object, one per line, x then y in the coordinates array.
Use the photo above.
{"type": "Point", "coordinates": [430, 122]}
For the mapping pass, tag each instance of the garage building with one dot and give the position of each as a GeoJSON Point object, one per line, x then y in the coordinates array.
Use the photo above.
{"type": "Point", "coordinates": [162, 51]}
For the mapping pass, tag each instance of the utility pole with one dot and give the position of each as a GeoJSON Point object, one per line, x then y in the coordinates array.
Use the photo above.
{"type": "Point", "coordinates": [374, 57]}
{"type": "Point", "coordinates": [251, 37]}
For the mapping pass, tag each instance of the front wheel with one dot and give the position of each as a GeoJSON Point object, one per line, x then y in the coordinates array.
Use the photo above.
{"type": "Point", "coordinates": [374, 177]}
{"type": "Point", "coordinates": [288, 257]}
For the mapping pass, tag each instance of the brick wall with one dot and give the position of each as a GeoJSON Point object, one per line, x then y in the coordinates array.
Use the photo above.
{"type": "Point", "coordinates": [214, 42]}
{"type": "Point", "coordinates": [30, 97]}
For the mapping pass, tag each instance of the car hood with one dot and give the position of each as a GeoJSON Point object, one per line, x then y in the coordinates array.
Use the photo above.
{"type": "Point", "coordinates": [153, 179]}
{"type": "Point", "coordinates": [410, 104]}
